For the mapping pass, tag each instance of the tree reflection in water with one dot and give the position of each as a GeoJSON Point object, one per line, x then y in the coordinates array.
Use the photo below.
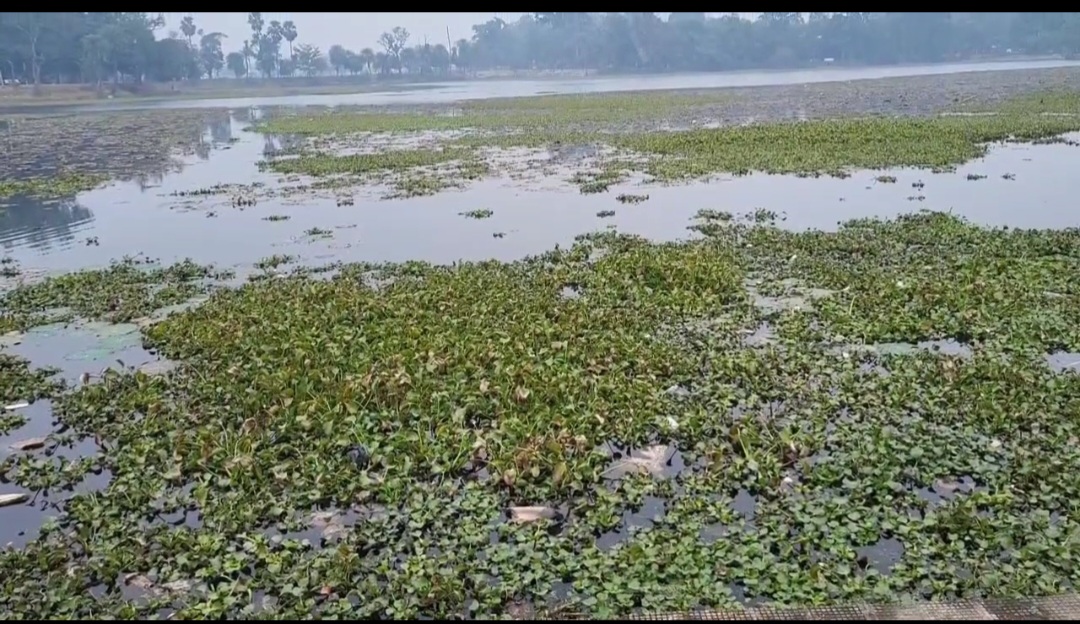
{"type": "Point", "coordinates": [118, 146]}
{"type": "Point", "coordinates": [41, 225]}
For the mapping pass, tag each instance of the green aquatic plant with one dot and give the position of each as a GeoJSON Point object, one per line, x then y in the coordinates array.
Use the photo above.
{"type": "Point", "coordinates": [631, 199]}
{"type": "Point", "coordinates": [59, 186]}
{"type": "Point", "coordinates": [51, 155]}
{"type": "Point", "coordinates": [832, 147]}
{"type": "Point", "coordinates": [125, 291]}
{"type": "Point", "coordinates": [498, 114]}
{"type": "Point", "coordinates": [837, 145]}
{"type": "Point", "coordinates": [480, 213]}
{"type": "Point", "coordinates": [879, 413]}
{"type": "Point", "coordinates": [18, 382]}
{"type": "Point", "coordinates": [598, 430]}
{"type": "Point", "coordinates": [274, 261]}
{"type": "Point", "coordinates": [397, 160]}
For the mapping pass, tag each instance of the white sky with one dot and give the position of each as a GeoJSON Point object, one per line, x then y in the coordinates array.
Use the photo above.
{"type": "Point", "coordinates": [352, 30]}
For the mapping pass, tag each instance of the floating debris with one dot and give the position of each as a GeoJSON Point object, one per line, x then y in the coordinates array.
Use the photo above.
{"type": "Point", "coordinates": [13, 499]}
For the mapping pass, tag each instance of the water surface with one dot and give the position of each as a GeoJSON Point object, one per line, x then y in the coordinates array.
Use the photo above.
{"type": "Point", "coordinates": [444, 92]}
{"type": "Point", "coordinates": [1028, 186]}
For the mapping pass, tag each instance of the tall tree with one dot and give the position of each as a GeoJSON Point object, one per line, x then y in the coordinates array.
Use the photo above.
{"type": "Point", "coordinates": [288, 30]}
{"type": "Point", "coordinates": [237, 64]}
{"type": "Point", "coordinates": [187, 26]}
{"type": "Point", "coordinates": [211, 55]}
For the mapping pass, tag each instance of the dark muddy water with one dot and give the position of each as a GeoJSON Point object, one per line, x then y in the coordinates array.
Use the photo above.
{"type": "Point", "coordinates": [484, 89]}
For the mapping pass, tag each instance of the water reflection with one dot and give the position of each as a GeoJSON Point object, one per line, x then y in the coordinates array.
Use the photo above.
{"type": "Point", "coordinates": [219, 133]}
{"type": "Point", "coordinates": [1016, 185]}
{"type": "Point", "coordinates": [38, 225]}
{"type": "Point", "coordinates": [125, 145]}
{"type": "Point", "coordinates": [45, 225]}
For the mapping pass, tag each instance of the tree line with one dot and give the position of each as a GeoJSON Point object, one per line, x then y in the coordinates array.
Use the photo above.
{"type": "Point", "coordinates": [98, 48]}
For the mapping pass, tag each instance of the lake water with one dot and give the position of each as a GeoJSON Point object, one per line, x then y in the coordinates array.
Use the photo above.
{"type": "Point", "coordinates": [1024, 186]}
{"type": "Point", "coordinates": [439, 93]}
{"type": "Point", "coordinates": [144, 218]}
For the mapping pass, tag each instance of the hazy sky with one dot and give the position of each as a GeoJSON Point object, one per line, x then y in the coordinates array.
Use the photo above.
{"type": "Point", "coordinates": [352, 30]}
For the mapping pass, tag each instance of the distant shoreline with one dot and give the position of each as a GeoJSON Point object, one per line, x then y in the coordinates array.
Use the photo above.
{"type": "Point", "coordinates": [20, 99]}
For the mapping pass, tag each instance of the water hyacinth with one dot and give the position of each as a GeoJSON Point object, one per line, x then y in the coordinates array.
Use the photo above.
{"type": "Point", "coordinates": [879, 412]}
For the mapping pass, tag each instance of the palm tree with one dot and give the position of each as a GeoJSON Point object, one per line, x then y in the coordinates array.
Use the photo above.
{"type": "Point", "coordinates": [187, 26]}
{"type": "Point", "coordinates": [248, 53]}
{"type": "Point", "coordinates": [288, 30]}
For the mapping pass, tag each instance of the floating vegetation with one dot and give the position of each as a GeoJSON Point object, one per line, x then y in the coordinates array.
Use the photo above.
{"type": "Point", "coordinates": [58, 186]}
{"type": "Point", "coordinates": [469, 431]}
{"type": "Point", "coordinates": [346, 148]}
{"type": "Point", "coordinates": [603, 214]}
{"type": "Point", "coordinates": [274, 261]}
{"type": "Point", "coordinates": [975, 176]}
{"type": "Point", "coordinates": [534, 113]}
{"type": "Point", "coordinates": [52, 156]}
{"type": "Point", "coordinates": [483, 213]}
{"type": "Point", "coordinates": [631, 199]}
{"type": "Point", "coordinates": [9, 267]}
{"type": "Point", "coordinates": [358, 164]}
{"type": "Point", "coordinates": [276, 217]}
{"type": "Point", "coordinates": [598, 181]}
{"type": "Point", "coordinates": [125, 291]}
{"type": "Point", "coordinates": [877, 413]}
{"type": "Point", "coordinates": [217, 189]}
